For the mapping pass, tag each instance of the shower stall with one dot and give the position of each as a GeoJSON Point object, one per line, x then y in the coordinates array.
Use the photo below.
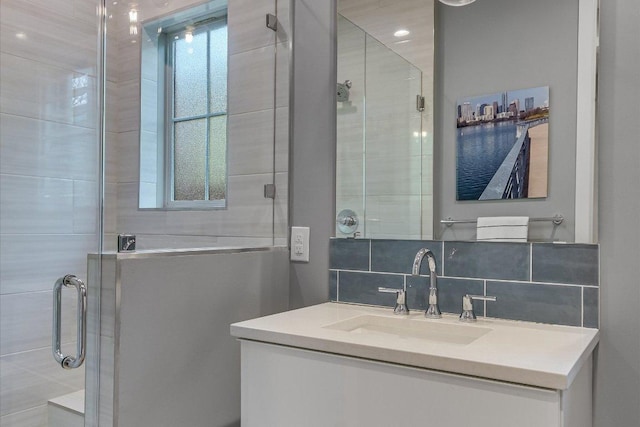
{"type": "Point", "coordinates": [384, 138]}
{"type": "Point", "coordinates": [108, 129]}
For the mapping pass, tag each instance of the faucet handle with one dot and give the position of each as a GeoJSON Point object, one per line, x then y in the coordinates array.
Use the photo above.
{"type": "Point", "coordinates": [401, 299]}
{"type": "Point", "coordinates": [468, 315]}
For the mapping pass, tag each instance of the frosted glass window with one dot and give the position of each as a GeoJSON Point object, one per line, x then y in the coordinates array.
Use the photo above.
{"type": "Point", "coordinates": [218, 158]}
{"type": "Point", "coordinates": [197, 64]}
{"type": "Point", "coordinates": [218, 69]}
{"type": "Point", "coordinates": [190, 75]}
{"type": "Point", "coordinates": [190, 160]}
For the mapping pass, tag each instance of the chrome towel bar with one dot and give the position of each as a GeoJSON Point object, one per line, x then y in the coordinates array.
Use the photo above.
{"type": "Point", "coordinates": [556, 219]}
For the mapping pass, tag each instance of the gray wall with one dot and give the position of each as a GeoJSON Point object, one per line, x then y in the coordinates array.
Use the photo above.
{"type": "Point", "coordinates": [617, 381]}
{"type": "Point", "coordinates": [617, 385]}
{"type": "Point", "coordinates": [495, 45]}
{"type": "Point", "coordinates": [312, 155]}
{"type": "Point", "coordinates": [165, 332]}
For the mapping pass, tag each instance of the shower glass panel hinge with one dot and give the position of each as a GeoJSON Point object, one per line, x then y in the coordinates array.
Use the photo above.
{"type": "Point", "coordinates": [272, 21]}
{"type": "Point", "coordinates": [269, 191]}
{"type": "Point", "coordinates": [420, 103]}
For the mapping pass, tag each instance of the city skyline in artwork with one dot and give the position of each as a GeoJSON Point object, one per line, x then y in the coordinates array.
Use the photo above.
{"type": "Point", "coordinates": [502, 145]}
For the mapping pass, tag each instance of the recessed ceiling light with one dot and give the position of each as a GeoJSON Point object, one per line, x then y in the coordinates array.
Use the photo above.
{"type": "Point", "coordinates": [401, 33]}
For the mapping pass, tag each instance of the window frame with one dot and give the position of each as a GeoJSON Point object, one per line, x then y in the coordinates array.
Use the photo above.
{"type": "Point", "coordinates": [205, 24]}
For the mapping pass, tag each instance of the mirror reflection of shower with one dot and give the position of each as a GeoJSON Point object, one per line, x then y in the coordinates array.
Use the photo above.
{"type": "Point", "coordinates": [383, 158]}
{"type": "Point", "coordinates": [343, 91]}
{"type": "Point", "coordinates": [342, 96]}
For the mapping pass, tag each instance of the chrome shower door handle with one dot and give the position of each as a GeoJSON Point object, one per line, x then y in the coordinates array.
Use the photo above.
{"type": "Point", "coordinates": [69, 362]}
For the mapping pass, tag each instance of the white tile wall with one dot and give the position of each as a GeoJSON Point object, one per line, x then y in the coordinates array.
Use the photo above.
{"type": "Point", "coordinates": [249, 212]}
{"type": "Point", "coordinates": [349, 175]}
{"type": "Point", "coordinates": [399, 175]}
{"type": "Point", "coordinates": [251, 150]}
{"type": "Point", "coordinates": [36, 416]}
{"type": "Point", "coordinates": [46, 148]}
{"type": "Point", "coordinates": [51, 36]}
{"type": "Point", "coordinates": [110, 207]}
{"type": "Point", "coordinates": [111, 157]}
{"type": "Point", "coordinates": [25, 388]}
{"type": "Point", "coordinates": [33, 262]}
{"type": "Point", "coordinates": [128, 150]}
{"type": "Point", "coordinates": [84, 215]}
{"type": "Point", "coordinates": [251, 80]}
{"type": "Point", "coordinates": [42, 91]}
{"type": "Point", "coordinates": [112, 112]}
{"type": "Point", "coordinates": [34, 205]}
{"type": "Point", "coordinates": [20, 335]}
{"type": "Point", "coordinates": [284, 23]}
{"type": "Point", "coordinates": [48, 163]}
{"type": "Point", "coordinates": [282, 74]}
{"type": "Point", "coordinates": [251, 142]}
{"type": "Point", "coordinates": [281, 206]}
{"type": "Point", "coordinates": [282, 139]}
{"type": "Point", "coordinates": [132, 220]}
{"type": "Point", "coordinates": [128, 105]}
{"type": "Point", "coordinates": [385, 220]}
{"type": "Point", "coordinates": [247, 29]}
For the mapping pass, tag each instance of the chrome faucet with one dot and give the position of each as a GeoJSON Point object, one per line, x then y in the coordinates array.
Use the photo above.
{"type": "Point", "coordinates": [433, 311]}
{"type": "Point", "coordinates": [468, 314]}
{"type": "Point", "coordinates": [401, 298]}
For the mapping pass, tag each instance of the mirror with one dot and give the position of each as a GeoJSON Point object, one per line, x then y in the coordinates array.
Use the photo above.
{"type": "Point", "coordinates": [396, 135]}
{"type": "Point", "coordinates": [384, 120]}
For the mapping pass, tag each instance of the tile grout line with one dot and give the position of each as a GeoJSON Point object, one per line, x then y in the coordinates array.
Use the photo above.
{"type": "Point", "coordinates": [582, 306]}
{"type": "Point", "coordinates": [338, 285]}
{"type": "Point", "coordinates": [442, 255]}
{"type": "Point", "coordinates": [485, 294]}
{"type": "Point", "coordinates": [370, 244]}
{"type": "Point", "coordinates": [516, 281]}
{"type": "Point", "coordinates": [531, 262]}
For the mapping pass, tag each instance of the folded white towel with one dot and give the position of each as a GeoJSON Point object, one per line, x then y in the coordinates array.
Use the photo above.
{"type": "Point", "coordinates": [503, 228]}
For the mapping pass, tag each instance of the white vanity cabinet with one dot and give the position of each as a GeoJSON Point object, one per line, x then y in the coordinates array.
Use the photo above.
{"type": "Point", "coordinates": [289, 387]}
{"type": "Point", "coordinates": [299, 371]}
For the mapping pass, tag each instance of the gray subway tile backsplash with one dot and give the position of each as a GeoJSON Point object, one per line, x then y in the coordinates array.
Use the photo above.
{"type": "Point", "coordinates": [591, 318]}
{"type": "Point", "coordinates": [362, 288]}
{"type": "Point", "coordinates": [333, 286]}
{"type": "Point", "coordinates": [535, 302]}
{"type": "Point", "coordinates": [396, 256]}
{"type": "Point", "coordinates": [349, 254]}
{"type": "Point", "coordinates": [555, 263]}
{"type": "Point", "coordinates": [489, 260]}
{"type": "Point", "coordinates": [558, 287]}
{"type": "Point", "coordinates": [451, 290]}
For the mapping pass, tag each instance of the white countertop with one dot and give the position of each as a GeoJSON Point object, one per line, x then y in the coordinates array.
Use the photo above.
{"type": "Point", "coordinates": [534, 354]}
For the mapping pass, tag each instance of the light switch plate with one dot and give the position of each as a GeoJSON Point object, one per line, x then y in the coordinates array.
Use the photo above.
{"type": "Point", "coordinates": [300, 244]}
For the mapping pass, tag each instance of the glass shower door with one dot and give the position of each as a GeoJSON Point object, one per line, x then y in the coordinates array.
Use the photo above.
{"type": "Point", "coordinates": [72, 178]}
{"type": "Point", "coordinates": [50, 198]}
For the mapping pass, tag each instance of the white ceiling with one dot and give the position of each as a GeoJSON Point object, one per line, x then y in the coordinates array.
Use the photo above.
{"type": "Point", "coordinates": [382, 18]}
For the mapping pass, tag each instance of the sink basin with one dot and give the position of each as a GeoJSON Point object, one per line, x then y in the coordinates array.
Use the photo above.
{"type": "Point", "coordinates": [407, 328]}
